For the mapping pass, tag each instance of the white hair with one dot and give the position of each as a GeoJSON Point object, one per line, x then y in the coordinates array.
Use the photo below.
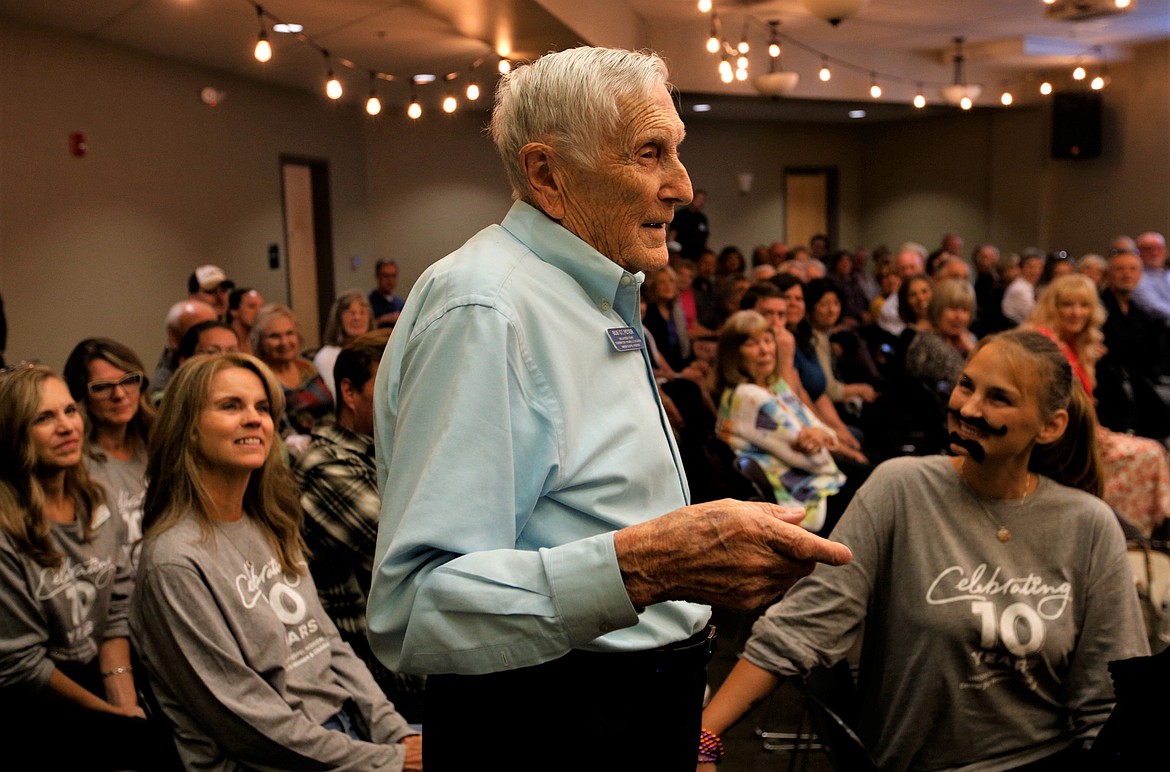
{"type": "Point", "coordinates": [570, 100]}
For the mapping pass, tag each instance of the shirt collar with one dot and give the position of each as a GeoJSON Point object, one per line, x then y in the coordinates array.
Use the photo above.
{"type": "Point", "coordinates": [337, 434]}
{"type": "Point", "coordinates": [601, 278]}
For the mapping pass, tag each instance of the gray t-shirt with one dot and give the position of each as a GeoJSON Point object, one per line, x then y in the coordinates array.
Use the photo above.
{"type": "Point", "coordinates": [125, 482]}
{"type": "Point", "coordinates": [977, 654]}
{"type": "Point", "coordinates": [62, 615]}
{"type": "Point", "coordinates": [245, 662]}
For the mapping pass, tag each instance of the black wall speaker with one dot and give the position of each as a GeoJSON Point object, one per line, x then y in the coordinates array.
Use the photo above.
{"type": "Point", "coordinates": [1076, 124]}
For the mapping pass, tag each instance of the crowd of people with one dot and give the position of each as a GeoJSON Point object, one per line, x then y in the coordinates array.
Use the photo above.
{"type": "Point", "coordinates": [198, 550]}
{"type": "Point", "coordinates": [870, 348]}
{"type": "Point", "coordinates": [516, 496]}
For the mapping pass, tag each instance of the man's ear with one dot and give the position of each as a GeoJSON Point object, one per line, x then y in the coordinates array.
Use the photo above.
{"type": "Point", "coordinates": [539, 163]}
{"type": "Point", "coordinates": [347, 393]}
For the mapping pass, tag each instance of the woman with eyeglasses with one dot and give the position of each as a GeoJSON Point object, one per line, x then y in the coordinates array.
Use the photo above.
{"type": "Point", "coordinates": [109, 381]}
{"type": "Point", "coordinates": [67, 690]}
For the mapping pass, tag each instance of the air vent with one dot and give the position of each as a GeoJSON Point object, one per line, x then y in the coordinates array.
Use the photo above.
{"type": "Point", "coordinates": [1079, 10]}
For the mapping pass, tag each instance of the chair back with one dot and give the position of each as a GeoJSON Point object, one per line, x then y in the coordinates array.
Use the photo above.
{"type": "Point", "coordinates": [761, 488]}
{"type": "Point", "coordinates": [832, 701]}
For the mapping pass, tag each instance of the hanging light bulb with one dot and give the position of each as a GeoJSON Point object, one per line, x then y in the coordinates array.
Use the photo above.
{"type": "Point", "coordinates": [712, 44]}
{"type": "Point", "coordinates": [743, 46]}
{"type": "Point", "coordinates": [472, 91]}
{"type": "Point", "coordinates": [965, 103]}
{"type": "Point", "coordinates": [773, 49]}
{"type": "Point", "coordinates": [725, 73]}
{"type": "Point", "coordinates": [333, 88]}
{"type": "Point", "coordinates": [741, 63]}
{"type": "Point", "coordinates": [1045, 88]}
{"type": "Point", "coordinates": [449, 104]}
{"type": "Point", "coordinates": [504, 66]}
{"type": "Point", "coordinates": [1006, 98]}
{"type": "Point", "coordinates": [825, 74]}
{"type": "Point", "coordinates": [1097, 83]}
{"type": "Point", "coordinates": [373, 104]}
{"type": "Point", "coordinates": [1079, 73]}
{"type": "Point", "coordinates": [414, 109]}
{"type": "Point", "coordinates": [919, 98]}
{"type": "Point", "coordinates": [875, 90]}
{"type": "Point", "coordinates": [741, 73]}
{"type": "Point", "coordinates": [704, 6]}
{"type": "Point", "coordinates": [263, 50]}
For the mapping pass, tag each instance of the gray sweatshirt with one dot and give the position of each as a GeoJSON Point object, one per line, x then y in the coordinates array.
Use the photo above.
{"type": "Point", "coordinates": [62, 614]}
{"type": "Point", "coordinates": [977, 654]}
{"type": "Point", "coordinates": [245, 662]}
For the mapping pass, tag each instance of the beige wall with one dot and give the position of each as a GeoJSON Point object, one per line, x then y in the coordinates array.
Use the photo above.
{"type": "Point", "coordinates": [102, 245]}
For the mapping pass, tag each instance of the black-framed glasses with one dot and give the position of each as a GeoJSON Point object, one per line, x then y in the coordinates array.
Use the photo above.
{"type": "Point", "coordinates": [105, 389]}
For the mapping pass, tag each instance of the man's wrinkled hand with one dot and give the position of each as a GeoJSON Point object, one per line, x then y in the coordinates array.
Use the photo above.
{"type": "Point", "coordinates": [738, 555]}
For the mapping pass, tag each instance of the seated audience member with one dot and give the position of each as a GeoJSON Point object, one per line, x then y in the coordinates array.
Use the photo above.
{"type": "Point", "coordinates": [1055, 264]}
{"type": "Point", "coordinates": [1135, 356]}
{"type": "Point", "coordinates": [847, 280]}
{"type": "Point", "coordinates": [993, 587]}
{"type": "Point", "coordinates": [277, 341]}
{"type": "Point", "coordinates": [985, 260]}
{"type": "Point", "coordinates": [823, 306]}
{"type": "Point", "coordinates": [664, 318]}
{"type": "Point", "coordinates": [936, 355]}
{"type": "Point", "coordinates": [349, 317]}
{"type": "Point", "coordinates": [762, 418]}
{"type": "Point", "coordinates": [950, 267]}
{"type": "Point", "coordinates": [989, 316]}
{"type": "Point", "coordinates": [811, 374]}
{"type": "Point", "coordinates": [384, 304]}
{"type": "Point", "coordinates": [1153, 291]}
{"type": "Point", "coordinates": [731, 290]}
{"type": "Point", "coordinates": [243, 305]}
{"type": "Point", "coordinates": [1094, 266]}
{"type": "Point", "coordinates": [107, 379]}
{"type": "Point", "coordinates": [1020, 295]}
{"type": "Point", "coordinates": [67, 688]}
{"type": "Point", "coordinates": [730, 263]}
{"type": "Point", "coordinates": [910, 261]}
{"type": "Point", "coordinates": [1136, 469]}
{"type": "Point", "coordinates": [913, 297]}
{"type": "Point", "coordinates": [243, 660]}
{"type": "Point", "coordinates": [181, 317]}
{"type": "Point", "coordinates": [814, 269]}
{"type": "Point", "coordinates": [339, 495]}
{"type": "Point", "coordinates": [208, 338]}
{"type": "Point", "coordinates": [210, 284]}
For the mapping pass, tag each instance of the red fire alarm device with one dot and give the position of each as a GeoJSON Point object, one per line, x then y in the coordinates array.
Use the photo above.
{"type": "Point", "coordinates": [77, 145]}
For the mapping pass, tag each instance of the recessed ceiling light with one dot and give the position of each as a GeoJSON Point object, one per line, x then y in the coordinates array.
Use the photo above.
{"type": "Point", "coordinates": [701, 108]}
{"type": "Point", "coordinates": [857, 113]}
{"type": "Point", "coordinates": [288, 28]}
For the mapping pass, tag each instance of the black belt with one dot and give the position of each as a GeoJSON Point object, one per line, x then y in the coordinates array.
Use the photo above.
{"type": "Point", "coordinates": [682, 655]}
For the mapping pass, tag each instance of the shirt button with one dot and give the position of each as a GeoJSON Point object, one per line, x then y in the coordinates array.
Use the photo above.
{"type": "Point", "coordinates": [626, 280]}
{"type": "Point", "coordinates": [605, 305]}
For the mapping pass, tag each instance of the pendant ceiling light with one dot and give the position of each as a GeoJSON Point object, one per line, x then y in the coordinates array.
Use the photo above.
{"type": "Point", "coordinates": [955, 93]}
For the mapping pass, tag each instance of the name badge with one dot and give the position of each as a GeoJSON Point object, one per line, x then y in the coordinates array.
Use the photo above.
{"type": "Point", "coordinates": [624, 339]}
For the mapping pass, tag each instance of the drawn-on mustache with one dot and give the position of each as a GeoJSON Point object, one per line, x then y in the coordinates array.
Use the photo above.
{"type": "Point", "coordinates": [977, 422]}
{"type": "Point", "coordinates": [973, 448]}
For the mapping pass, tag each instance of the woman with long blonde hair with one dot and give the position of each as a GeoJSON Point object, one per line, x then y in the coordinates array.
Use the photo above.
{"type": "Point", "coordinates": [1137, 469]}
{"type": "Point", "coordinates": [246, 664]}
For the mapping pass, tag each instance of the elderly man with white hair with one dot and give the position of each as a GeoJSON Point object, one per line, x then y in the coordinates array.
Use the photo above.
{"type": "Point", "coordinates": [537, 558]}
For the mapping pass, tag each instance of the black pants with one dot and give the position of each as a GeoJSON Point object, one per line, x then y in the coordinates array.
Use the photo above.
{"type": "Point", "coordinates": [586, 710]}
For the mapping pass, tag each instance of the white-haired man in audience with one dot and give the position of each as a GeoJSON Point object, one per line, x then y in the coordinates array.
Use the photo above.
{"type": "Point", "coordinates": [181, 317]}
{"type": "Point", "coordinates": [534, 514]}
{"type": "Point", "coordinates": [1153, 291]}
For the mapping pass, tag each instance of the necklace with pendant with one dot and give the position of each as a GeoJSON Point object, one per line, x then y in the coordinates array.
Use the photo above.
{"type": "Point", "coordinates": [1002, 532]}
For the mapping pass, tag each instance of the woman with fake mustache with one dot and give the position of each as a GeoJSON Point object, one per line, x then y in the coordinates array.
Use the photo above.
{"type": "Point", "coordinates": [993, 586]}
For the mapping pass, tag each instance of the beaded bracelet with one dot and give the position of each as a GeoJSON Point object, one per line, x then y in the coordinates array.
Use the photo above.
{"type": "Point", "coordinates": [117, 671]}
{"type": "Point", "coordinates": [710, 747]}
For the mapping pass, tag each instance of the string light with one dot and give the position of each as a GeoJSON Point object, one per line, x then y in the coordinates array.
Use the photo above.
{"type": "Point", "coordinates": [1097, 83]}
{"type": "Point", "coordinates": [414, 110]}
{"type": "Point", "coordinates": [1045, 88]}
{"type": "Point", "coordinates": [741, 63]}
{"type": "Point", "coordinates": [713, 44]}
{"type": "Point", "coordinates": [704, 6]}
{"type": "Point", "coordinates": [965, 103]}
{"type": "Point", "coordinates": [725, 73]}
{"type": "Point", "coordinates": [825, 74]}
{"type": "Point", "coordinates": [373, 104]}
{"type": "Point", "coordinates": [875, 90]}
{"type": "Point", "coordinates": [504, 66]}
{"type": "Point", "coordinates": [1006, 98]}
{"type": "Point", "coordinates": [472, 91]}
{"type": "Point", "coordinates": [449, 104]}
{"type": "Point", "coordinates": [263, 49]}
{"type": "Point", "coordinates": [1079, 73]}
{"type": "Point", "coordinates": [333, 88]}
{"type": "Point", "coordinates": [919, 98]}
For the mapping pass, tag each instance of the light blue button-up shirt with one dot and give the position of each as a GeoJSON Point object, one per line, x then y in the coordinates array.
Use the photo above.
{"type": "Point", "coordinates": [513, 439]}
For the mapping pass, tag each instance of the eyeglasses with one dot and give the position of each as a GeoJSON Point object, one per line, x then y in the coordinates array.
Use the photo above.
{"type": "Point", "coordinates": [105, 389]}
